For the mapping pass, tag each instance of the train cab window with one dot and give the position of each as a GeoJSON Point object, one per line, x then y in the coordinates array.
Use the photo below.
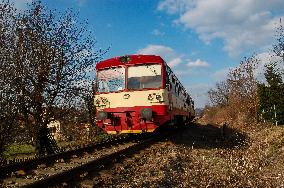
{"type": "Point", "coordinates": [111, 80]}
{"type": "Point", "coordinates": [144, 76]}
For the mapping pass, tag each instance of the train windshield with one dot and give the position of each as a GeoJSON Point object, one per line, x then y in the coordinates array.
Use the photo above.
{"type": "Point", "coordinates": [111, 80]}
{"type": "Point", "coordinates": [144, 76]}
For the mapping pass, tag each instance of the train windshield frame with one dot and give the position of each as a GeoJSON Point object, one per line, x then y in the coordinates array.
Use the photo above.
{"type": "Point", "coordinates": [146, 76]}
{"type": "Point", "coordinates": [111, 80]}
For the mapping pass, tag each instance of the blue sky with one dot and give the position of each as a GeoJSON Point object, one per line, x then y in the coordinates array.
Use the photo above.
{"type": "Point", "coordinates": [200, 39]}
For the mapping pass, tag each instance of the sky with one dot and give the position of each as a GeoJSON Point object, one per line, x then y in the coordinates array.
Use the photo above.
{"type": "Point", "coordinates": [200, 39]}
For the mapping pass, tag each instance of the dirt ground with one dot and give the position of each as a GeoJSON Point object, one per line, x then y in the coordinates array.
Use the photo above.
{"type": "Point", "coordinates": [205, 156]}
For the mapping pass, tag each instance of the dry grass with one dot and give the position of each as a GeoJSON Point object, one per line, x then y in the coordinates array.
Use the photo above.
{"type": "Point", "coordinates": [201, 156]}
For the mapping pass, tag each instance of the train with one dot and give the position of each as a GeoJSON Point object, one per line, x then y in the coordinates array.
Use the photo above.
{"type": "Point", "coordinates": [139, 94]}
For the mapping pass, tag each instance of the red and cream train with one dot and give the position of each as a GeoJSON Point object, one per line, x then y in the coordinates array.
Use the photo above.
{"type": "Point", "coordinates": [139, 93]}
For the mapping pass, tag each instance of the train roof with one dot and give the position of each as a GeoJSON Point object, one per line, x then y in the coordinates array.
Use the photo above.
{"type": "Point", "coordinates": [129, 60]}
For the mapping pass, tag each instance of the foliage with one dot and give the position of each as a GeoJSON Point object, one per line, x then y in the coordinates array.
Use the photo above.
{"type": "Point", "coordinates": [271, 103]}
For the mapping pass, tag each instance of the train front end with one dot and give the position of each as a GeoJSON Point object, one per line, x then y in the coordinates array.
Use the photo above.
{"type": "Point", "coordinates": [130, 94]}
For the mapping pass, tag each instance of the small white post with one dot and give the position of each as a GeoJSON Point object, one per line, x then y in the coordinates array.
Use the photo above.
{"type": "Point", "coordinates": [275, 116]}
{"type": "Point", "coordinates": [261, 115]}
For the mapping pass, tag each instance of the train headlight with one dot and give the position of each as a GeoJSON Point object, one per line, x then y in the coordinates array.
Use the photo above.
{"type": "Point", "coordinates": [158, 97]}
{"type": "Point", "coordinates": [146, 113]}
{"type": "Point", "coordinates": [150, 97]}
{"type": "Point", "coordinates": [98, 102]}
{"type": "Point", "coordinates": [102, 115]}
{"type": "Point", "coordinates": [104, 100]}
{"type": "Point", "coordinates": [125, 59]}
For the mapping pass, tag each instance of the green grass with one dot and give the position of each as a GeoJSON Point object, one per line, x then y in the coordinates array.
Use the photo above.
{"type": "Point", "coordinates": [18, 149]}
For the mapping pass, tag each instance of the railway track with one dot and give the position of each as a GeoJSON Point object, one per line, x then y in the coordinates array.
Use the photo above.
{"type": "Point", "coordinates": [42, 169]}
{"type": "Point", "coordinates": [74, 176]}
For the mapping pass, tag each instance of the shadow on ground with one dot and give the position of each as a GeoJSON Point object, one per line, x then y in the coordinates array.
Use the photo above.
{"type": "Point", "coordinates": [210, 136]}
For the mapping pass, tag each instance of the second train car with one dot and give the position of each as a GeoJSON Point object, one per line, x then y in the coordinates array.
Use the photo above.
{"type": "Point", "coordinates": [139, 93]}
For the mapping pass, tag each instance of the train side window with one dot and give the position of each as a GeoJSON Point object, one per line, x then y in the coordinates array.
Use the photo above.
{"type": "Point", "coordinates": [169, 86]}
{"type": "Point", "coordinates": [173, 80]}
{"type": "Point", "coordinates": [176, 88]}
{"type": "Point", "coordinates": [167, 76]}
{"type": "Point", "coordinates": [168, 70]}
{"type": "Point", "coordinates": [179, 90]}
{"type": "Point", "coordinates": [187, 101]}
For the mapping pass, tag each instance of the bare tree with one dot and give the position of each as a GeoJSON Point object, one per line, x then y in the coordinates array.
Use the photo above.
{"type": "Point", "coordinates": [219, 95]}
{"type": "Point", "coordinates": [53, 55]}
{"type": "Point", "coordinates": [236, 99]}
{"type": "Point", "coordinates": [278, 48]}
{"type": "Point", "coordinates": [240, 96]}
{"type": "Point", "coordinates": [243, 88]}
{"type": "Point", "coordinates": [8, 97]}
{"type": "Point", "coordinates": [89, 104]}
